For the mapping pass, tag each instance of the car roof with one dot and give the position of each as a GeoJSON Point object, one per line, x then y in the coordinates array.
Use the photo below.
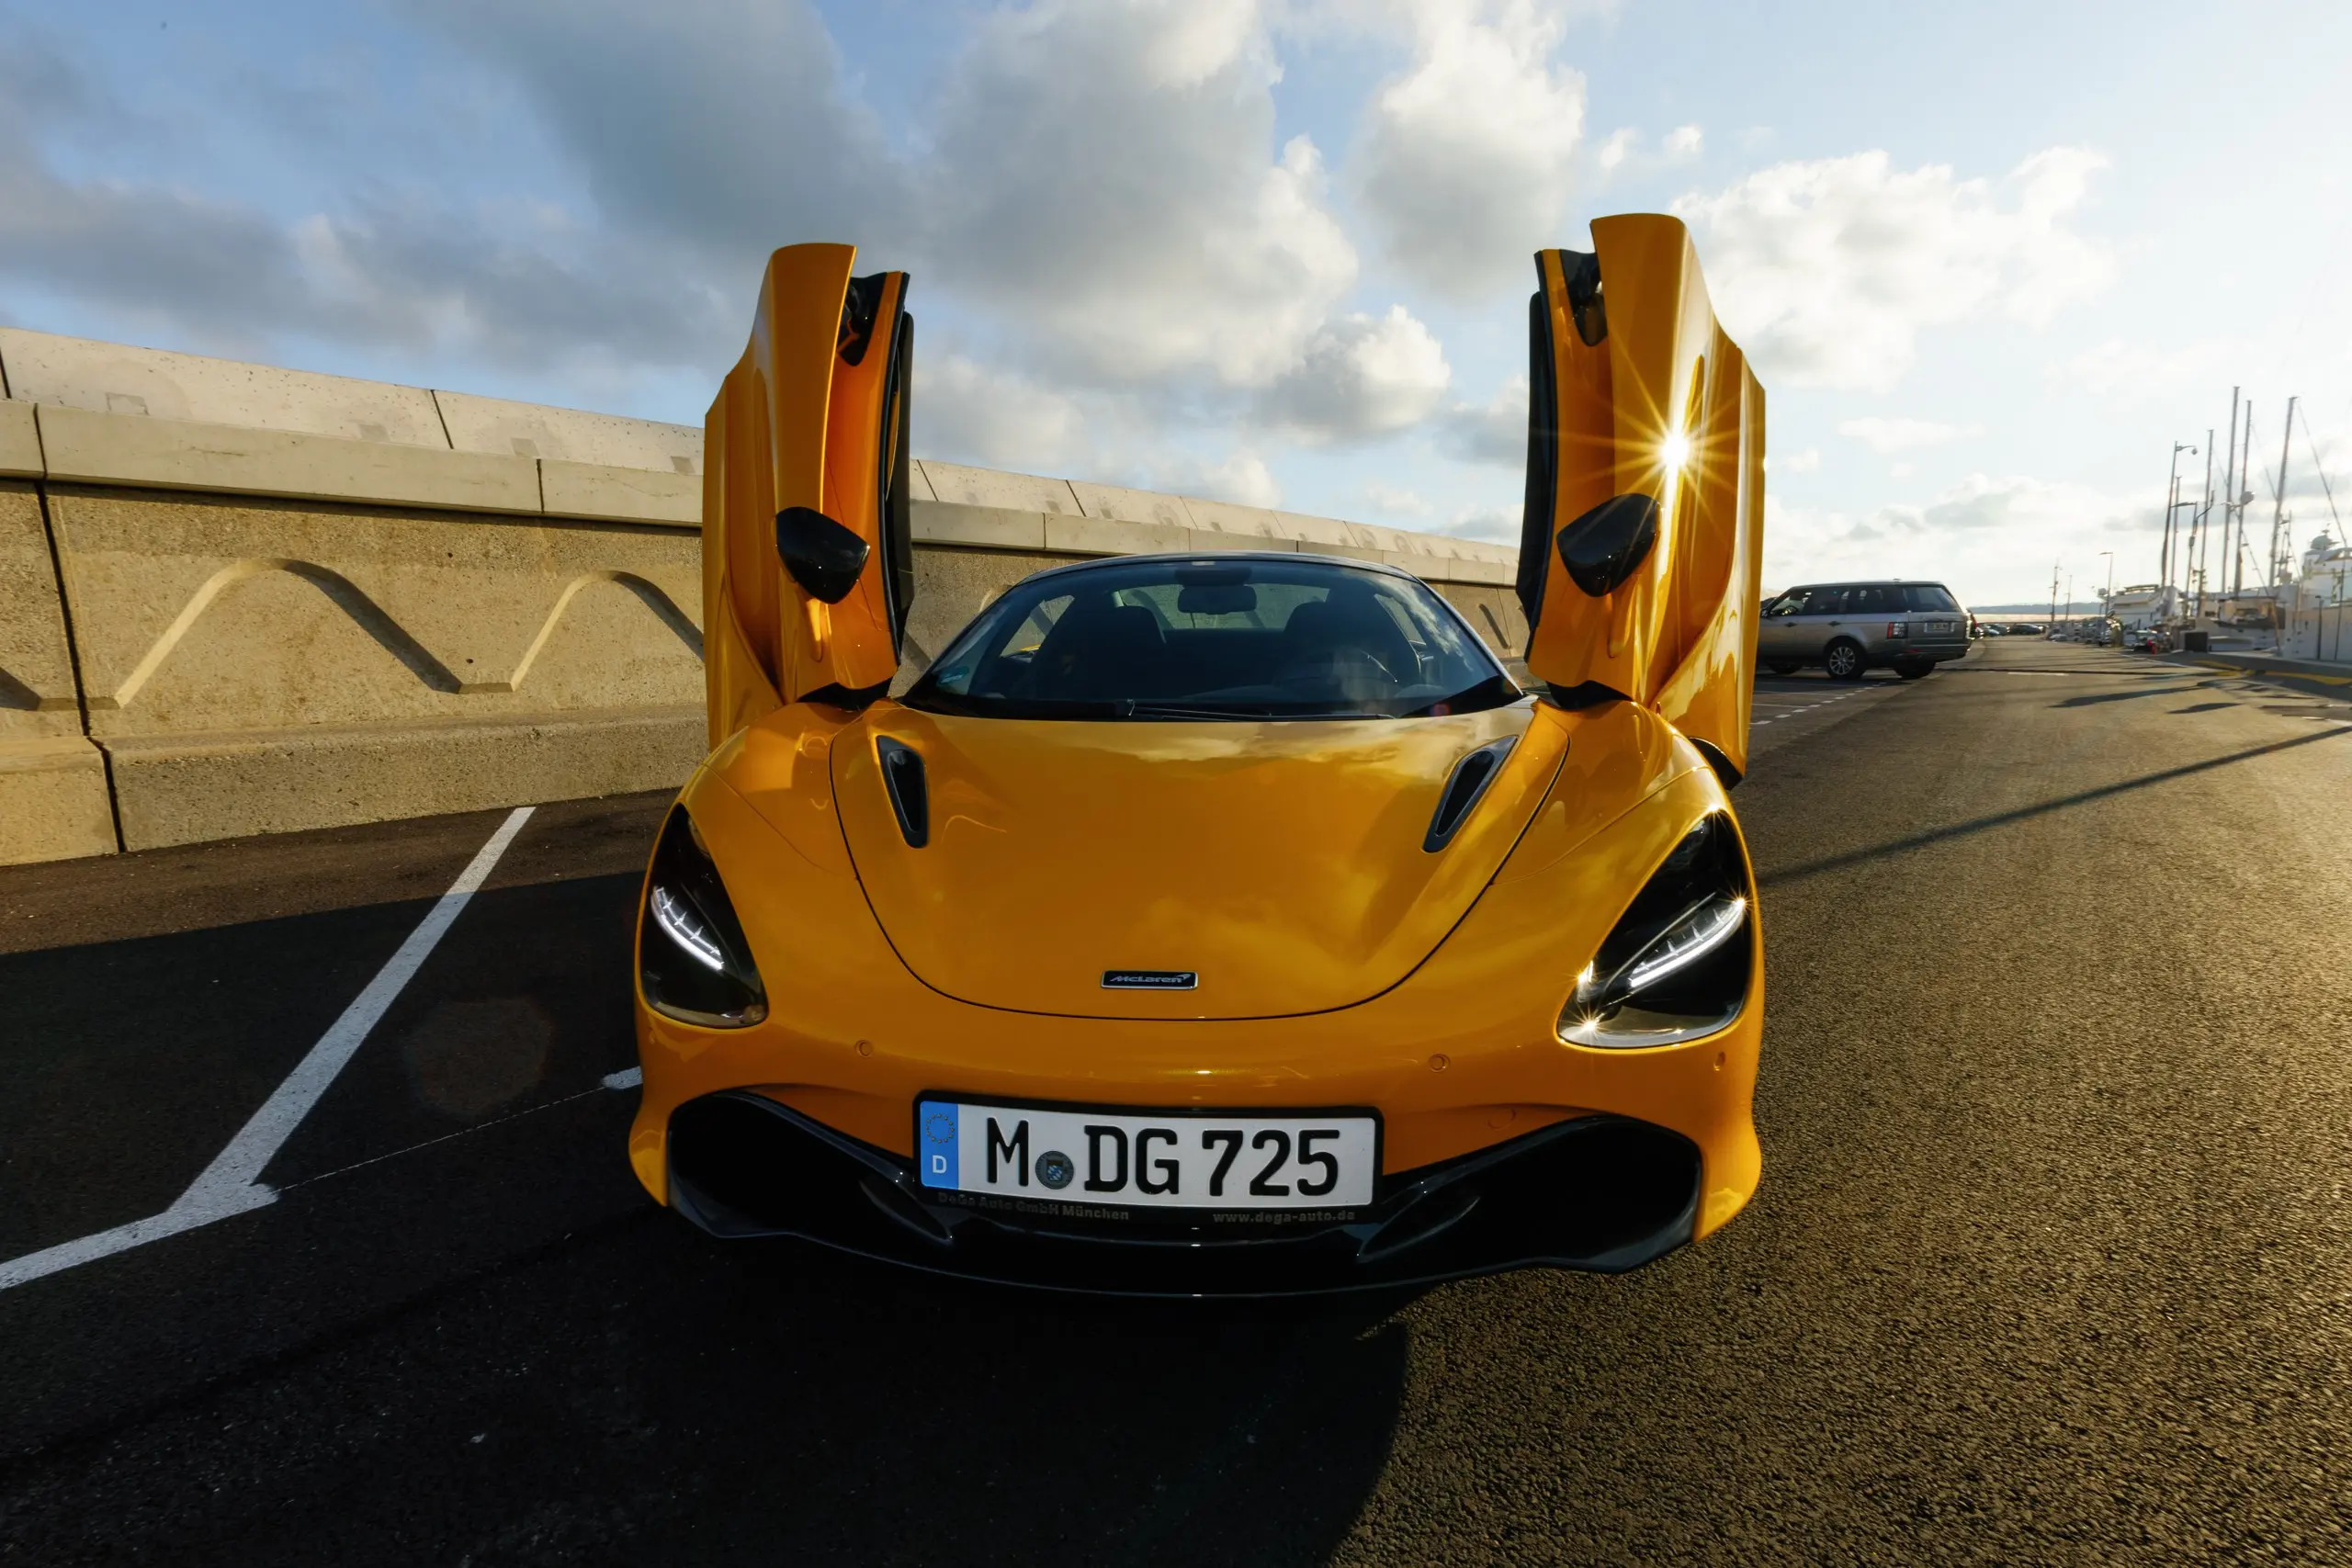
{"type": "Point", "coordinates": [1863, 582]}
{"type": "Point", "coordinates": [1211, 557]}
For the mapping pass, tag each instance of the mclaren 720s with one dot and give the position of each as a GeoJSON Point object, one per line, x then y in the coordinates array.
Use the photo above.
{"type": "Point", "coordinates": [1223, 923]}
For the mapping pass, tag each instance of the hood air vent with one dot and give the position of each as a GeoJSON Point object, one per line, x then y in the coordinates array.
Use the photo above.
{"type": "Point", "coordinates": [1471, 777]}
{"type": "Point", "coordinates": [909, 796]}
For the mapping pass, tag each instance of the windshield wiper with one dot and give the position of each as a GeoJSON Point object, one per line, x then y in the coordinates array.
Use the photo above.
{"type": "Point", "coordinates": [1186, 710]}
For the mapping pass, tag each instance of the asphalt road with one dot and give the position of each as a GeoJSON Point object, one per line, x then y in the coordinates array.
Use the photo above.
{"type": "Point", "coordinates": [2052, 1260]}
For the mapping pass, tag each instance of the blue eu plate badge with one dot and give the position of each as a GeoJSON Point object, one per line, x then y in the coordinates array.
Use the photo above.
{"type": "Point", "coordinates": [935, 1148]}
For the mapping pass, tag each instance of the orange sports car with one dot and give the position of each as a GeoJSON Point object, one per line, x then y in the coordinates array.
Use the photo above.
{"type": "Point", "coordinates": [1229, 922]}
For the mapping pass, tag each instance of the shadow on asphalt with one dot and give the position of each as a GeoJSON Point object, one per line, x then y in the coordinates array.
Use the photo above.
{"type": "Point", "coordinates": [2090, 699]}
{"type": "Point", "coordinates": [640, 1394]}
{"type": "Point", "coordinates": [2001, 819]}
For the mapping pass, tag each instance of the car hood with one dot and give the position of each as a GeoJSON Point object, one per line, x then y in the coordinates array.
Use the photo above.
{"type": "Point", "coordinates": [1281, 862]}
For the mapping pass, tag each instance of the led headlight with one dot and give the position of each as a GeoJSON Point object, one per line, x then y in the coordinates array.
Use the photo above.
{"type": "Point", "coordinates": [691, 956]}
{"type": "Point", "coordinates": [1677, 964]}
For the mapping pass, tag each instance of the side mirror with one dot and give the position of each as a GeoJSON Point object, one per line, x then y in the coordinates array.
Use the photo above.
{"type": "Point", "coordinates": [824, 556]}
{"type": "Point", "coordinates": [1603, 548]}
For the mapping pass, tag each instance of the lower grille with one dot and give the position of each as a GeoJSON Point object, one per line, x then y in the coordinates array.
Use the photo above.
{"type": "Point", "coordinates": [1602, 1193]}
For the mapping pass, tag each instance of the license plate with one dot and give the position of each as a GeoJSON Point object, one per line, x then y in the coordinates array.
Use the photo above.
{"type": "Point", "coordinates": [1146, 1159]}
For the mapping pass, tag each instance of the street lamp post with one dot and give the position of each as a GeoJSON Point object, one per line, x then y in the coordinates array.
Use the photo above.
{"type": "Point", "coordinates": [2172, 505]}
{"type": "Point", "coordinates": [2107, 598]}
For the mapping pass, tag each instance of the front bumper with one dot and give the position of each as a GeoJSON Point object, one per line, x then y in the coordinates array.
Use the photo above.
{"type": "Point", "coordinates": [1602, 1193]}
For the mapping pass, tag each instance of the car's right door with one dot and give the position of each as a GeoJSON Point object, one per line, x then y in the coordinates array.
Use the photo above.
{"type": "Point", "coordinates": [1642, 548]}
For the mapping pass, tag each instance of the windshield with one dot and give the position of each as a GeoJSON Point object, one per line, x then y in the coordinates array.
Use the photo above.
{"type": "Point", "coordinates": [1161, 639]}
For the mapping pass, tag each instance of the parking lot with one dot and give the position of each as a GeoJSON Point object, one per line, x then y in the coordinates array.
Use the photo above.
{"type": "Point", "coordinates": [2049, 1263]}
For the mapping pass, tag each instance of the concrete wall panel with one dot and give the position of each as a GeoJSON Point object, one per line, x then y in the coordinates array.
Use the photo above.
{"type": "Point", "coordinates": [960, 486]}
{"type": "Point", "coordinates": [38, 697]}
{"type": "Point", "coordinates": [172, 454]}
{"type": "Point", "coordinates": [187, 789]}
{"type": "Point", "coordinates": [111, 378]}
{"type": "Point", "coordinates": [507, 429]}
{"type": "Point", "coordinates": [1100, 536]}
{"type": "Point", "coordinates": [1120, 504]}
{"type": "Point", "coordinates": [620, 495]}
{"type": "Point", "coordinates": [19, 442]}
{"type": "Point", "coordinates": [54, 801]}
{"type": "Point", "coordinates": [198, 613]}
{"type": "Point", "coordinates": [977, 527]}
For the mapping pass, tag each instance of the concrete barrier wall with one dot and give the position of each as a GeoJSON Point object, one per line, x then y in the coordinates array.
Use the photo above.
{"type": "Point", "coordinates": [238, 600]}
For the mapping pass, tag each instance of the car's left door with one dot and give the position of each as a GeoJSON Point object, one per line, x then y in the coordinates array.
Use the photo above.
{"type": "Point", "coordinates": [807, 553]}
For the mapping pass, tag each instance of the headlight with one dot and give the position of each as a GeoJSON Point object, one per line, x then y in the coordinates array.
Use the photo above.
{"type": "Point", "coordinates": [1677, 964]}
{"type": "Point", "coordinates": [691, 959]}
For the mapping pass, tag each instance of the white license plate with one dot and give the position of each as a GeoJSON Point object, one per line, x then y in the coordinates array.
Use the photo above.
{"type": "Point", "coordinates": [1142, 1159]}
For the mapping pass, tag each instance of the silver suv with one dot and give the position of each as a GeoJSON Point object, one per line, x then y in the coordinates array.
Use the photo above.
{"type": "Point", "coordinates": [1847, 627]}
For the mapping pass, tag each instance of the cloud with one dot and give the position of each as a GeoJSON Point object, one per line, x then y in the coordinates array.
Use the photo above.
{"type": "Point", "coordinates": [1885, 434]}
{"type": "Point", "coordinates": [1107, 176]}
{"type": "Point", "coordinates": [1803, 462]}
{"type": "Point", "coordinates": [971, 412]}
{"type": "Point", "coordinates": [724, 124]}
{"type": "Point", "coordinates": [159, 252]}
{"type": "Point", "coordinates": [1362, 376]}
{"type": "Point", "coordinates": [1828, 271]}
{"type": "Point", "coordinates": [1992, 538]}
{"type": "Point", "coordinates": [1390, 501]}
{"type": "Point", "coordinates": [2115, 365]}
{"type": "Point", "coordinates": [1684, 143]}
{"type": "Point", "coordinates": [1464, 160]}
{"type": "Point", "coordinates": [1493, 433]}
{"type": "Point", "coordinates": [1242, 478]}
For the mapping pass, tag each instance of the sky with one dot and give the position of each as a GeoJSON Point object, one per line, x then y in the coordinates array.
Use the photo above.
{"type": "Point", "coordinates": [1991, 261]}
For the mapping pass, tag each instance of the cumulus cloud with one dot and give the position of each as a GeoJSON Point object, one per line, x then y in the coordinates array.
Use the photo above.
{"type": "Point", "coordinates": [1493, 432]}
{"type": "Point", "coordinates": [1362, 376]}
{"type": "Point", "coordinates": [1464, 158]}
{"type": "Point", "coordinates": [1881, 434]}
{"type": "Point", "coordinates": [1242, 478]}
{"type": "Point", "coordinates": [1107, 177]}
{"type": "Point", "coordinates": [973, 413]}
{"type": "Point", "coordinates": [1685, 142]}
{"type": "Point", "coordinates": [1828, 270]}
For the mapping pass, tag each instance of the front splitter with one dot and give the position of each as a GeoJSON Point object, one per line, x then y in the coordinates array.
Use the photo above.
{"type": "Point", "coordinates": [1600, 1194]}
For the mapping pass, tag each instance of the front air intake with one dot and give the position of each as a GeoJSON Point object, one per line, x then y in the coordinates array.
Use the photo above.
{"type": "Point", "coordinates": [902, 776]}
{"type": "Point", "coordinates": [1464, 791]}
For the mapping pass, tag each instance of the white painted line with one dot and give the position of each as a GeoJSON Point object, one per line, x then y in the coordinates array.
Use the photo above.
{"type": "Point", "coordinates": [231, 1184]}
{"type": "Point", "coordinates": [627, 1077]}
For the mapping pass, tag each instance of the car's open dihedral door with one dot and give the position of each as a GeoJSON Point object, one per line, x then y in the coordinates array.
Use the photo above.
{"type": "Point", "coordinates": [1641, 552]}
{"type": "Point", "coordinates": [808, 558]}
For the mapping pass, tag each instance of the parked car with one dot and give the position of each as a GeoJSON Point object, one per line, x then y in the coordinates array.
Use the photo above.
{"type": "Point", "coordinates": [1848, 629]}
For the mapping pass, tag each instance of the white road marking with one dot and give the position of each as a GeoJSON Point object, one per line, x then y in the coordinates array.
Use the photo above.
{"type": "Point", "coordinates": [627, 1077]}
{"type": "Point", "coordinates": [231, 1184]}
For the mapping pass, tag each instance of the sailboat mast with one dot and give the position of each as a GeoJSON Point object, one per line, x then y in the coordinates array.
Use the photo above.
{"type": "Point", "coordinates": [2202, 535]}
{"type": "Point", "coordinates": [2228, 511]}
{"type": "Point", "coordinates": [2245, 454]}
{"type": "Point", "coordinates": [2279, 550]}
